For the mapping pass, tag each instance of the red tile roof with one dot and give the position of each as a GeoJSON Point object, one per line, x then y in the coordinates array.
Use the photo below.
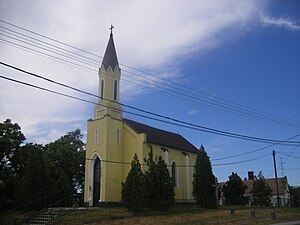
{"type": "Point", "coordinates": [282, 185]}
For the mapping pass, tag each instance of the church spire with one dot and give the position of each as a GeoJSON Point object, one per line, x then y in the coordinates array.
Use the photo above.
{"type": "Point", "coordinates": [109, 83]}
{"type": "Point", "coordinates": [110, 58]}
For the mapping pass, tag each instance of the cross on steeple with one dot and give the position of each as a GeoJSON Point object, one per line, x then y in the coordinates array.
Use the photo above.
{"type": "Point", "coordinates": [111, 29]}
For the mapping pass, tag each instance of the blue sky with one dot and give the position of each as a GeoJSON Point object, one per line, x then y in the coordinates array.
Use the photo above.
{"type": "Point", "coordinates": [246, 52]}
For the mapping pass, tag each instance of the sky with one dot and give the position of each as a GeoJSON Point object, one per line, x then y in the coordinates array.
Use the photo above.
{"type": "Point", "coordinates": [232, 66]}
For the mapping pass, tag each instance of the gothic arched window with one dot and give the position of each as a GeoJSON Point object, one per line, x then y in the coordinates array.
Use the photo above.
{"type": "Point", "coordinates": [174, 174]}
{"type": "Point", "coordinates": [102, 89]}
{"type": "Point", "coordinates": [115, 90]}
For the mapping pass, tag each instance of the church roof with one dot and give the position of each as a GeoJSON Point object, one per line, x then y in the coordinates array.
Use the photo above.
{"type": "Point", "coordinates": [110, 57]}
{"type": "Point", "coordinates": [162, 137]}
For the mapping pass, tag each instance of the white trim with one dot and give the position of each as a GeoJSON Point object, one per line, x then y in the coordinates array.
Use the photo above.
{"type": "Point", "coordinates": [91, 179]}
{"type": "Point", "coordinates": [167, 157]}
{"type": "Point", "coordinates": [187, 175]}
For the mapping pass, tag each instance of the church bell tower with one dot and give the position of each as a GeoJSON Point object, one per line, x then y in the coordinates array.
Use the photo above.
{"type": "Point", "coordinates": [104, 135]}
{"type": "Point", "coordinates": [109, 84]}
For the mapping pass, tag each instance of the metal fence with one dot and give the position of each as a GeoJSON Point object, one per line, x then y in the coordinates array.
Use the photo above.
{"type": "Point", "coordinates": [69, 216]}
{"type": "Point", "coordinates": [80, 216]}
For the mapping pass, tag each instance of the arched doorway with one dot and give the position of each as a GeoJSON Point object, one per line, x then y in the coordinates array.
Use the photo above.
{"type": "Point", "coordinates": [97, 182]}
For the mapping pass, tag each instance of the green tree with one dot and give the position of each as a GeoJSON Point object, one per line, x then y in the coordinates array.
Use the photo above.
{"type": "Point", "coordinates": [11, 139]}
{"type": "Point", "coordinates": [261, 192]}
{"type": "Point", "coordinates": [133, 192]}
{"type": "Point", "coordinates": [41, 178]}
{"type": "Point", "coordinates": [234, 190]}
{"type": "Point", "coordinates": [159, 189]}
{"type": "Point", "coordinates": [34, 184]}
{"type": "Point", "coordinates": [20, 159]}
{"type": "Point", "coordinates": [204, 181]}
{"type": "Point", "coordinates": [59, 186]}
{"type": "Point", "coordinates": [295, 195]}
{"type": "Point", "coordinates": [68, 155]}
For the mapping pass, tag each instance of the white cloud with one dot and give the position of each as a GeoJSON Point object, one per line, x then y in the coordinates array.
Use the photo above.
{"type": "Point", "coordinates": [152, 35]}
{"type": "Point", "coordinates": [193, 112]}
{"type": "Point", "coordinates": [280, 22]}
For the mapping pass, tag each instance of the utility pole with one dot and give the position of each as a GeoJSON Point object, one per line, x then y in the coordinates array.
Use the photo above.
{"type": "Point", "coordinates": [276, 180]}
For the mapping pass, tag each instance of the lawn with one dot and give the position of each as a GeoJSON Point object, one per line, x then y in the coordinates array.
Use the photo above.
{"type": "Point", "coordinates": [180, 214]}
{"type": "Point", "coordinates": [194, 215]}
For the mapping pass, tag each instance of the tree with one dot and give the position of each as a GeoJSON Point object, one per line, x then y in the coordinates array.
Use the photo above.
{"type": "Point", "coordinates": [68, 155]}
{"type": "Point", "coordinates": [295, 195]}
{"type": "Point", "coordinates": [133, 192]}
{"type": "Point", "coordinates": [34, 184]}
{"type": "Point", "coordinates": [234, 190]}
{"type": "Point", "coordinates": [159, 188]}
{"type": "Point", "coordinates": [11, 139]}
{"type": "Point", "coordinates": [204, 181]}
{"type": "Point", "coordinates": [261, 192]}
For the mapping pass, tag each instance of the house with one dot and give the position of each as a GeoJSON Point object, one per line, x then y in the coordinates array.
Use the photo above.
{"type": "Point", "coordinates": [112, 141]}
{"type": "Point", "coordinates": [283, 190]}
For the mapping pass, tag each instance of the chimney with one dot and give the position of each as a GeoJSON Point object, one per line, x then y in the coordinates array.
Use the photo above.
{"type": "Point", "coordinates": [250, 175]}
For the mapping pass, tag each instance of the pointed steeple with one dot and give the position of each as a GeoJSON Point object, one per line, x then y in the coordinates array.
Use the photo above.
{"type": "Point", "coordinates": [109, 84]}
{"type": "Point", "coordinates": [110, 58]}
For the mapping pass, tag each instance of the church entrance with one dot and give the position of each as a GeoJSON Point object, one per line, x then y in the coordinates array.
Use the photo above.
{"type": "Point", "coordinates": [97, 182]}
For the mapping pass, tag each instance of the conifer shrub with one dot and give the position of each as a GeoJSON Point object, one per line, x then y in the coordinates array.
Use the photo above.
{"type": "Point", "coordinates": [133, 188]}
{"type": "Point", "coordinates": [159, 188]}
{"type": "Point", "coordinates": [150, 190]}
{"type": "Point", "coordinates": [204, 181]}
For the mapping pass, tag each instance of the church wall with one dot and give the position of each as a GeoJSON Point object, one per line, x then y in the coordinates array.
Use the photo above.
{"type": "Point", "coordinates": [184, 169]}
{"type": "Point", "coordinates": [113, 160]}
{"type": "Point", "coordinates": [108, 147]}
{"type": "Point", "coordinates": [133, 143]}
{"type": "Point", "coordinates": [95, 145]}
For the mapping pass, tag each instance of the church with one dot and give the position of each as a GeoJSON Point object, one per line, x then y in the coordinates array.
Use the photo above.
{"type": "Point", "coordinates": [113, 140]}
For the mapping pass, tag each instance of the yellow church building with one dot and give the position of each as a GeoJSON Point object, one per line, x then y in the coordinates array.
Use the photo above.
{"type": "Point", "coordinates": [113, 140]}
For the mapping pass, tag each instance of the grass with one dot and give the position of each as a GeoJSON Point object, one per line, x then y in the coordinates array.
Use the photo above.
{"type": "Point", "coordinates": [194, 215]}
{"type": "Point", "coordinates": [180, 214]}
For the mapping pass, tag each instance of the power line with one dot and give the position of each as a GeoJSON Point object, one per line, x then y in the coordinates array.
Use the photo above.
{"type": "Point", "coordinates": [189, 166]}
{"type": "Point", "coordinates": [288, 155]}
{"type": "Point", "coordinates": [224, 107]}
{"type": "Point", "coordinates": [256, 150]}
{"type": "Point", "coordinates": [174, 121]}
{"type": "Point", "coordinates": [239, 162]}
{"type": "Point", "coordinates": [111, 161]}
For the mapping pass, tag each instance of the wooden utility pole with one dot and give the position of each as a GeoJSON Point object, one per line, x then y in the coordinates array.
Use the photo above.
{"type": "Point", "coordinates": [276, 180]}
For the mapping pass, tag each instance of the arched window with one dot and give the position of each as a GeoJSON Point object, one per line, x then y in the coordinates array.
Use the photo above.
{"type": "Point", "coordinates": [97, 182]}
{"type": "Point", "coordinates": [115, 90]}
{"type": "Point", "coordinates": [102, 89]}
{"type": "Point", "coordinates": [174, 174]}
